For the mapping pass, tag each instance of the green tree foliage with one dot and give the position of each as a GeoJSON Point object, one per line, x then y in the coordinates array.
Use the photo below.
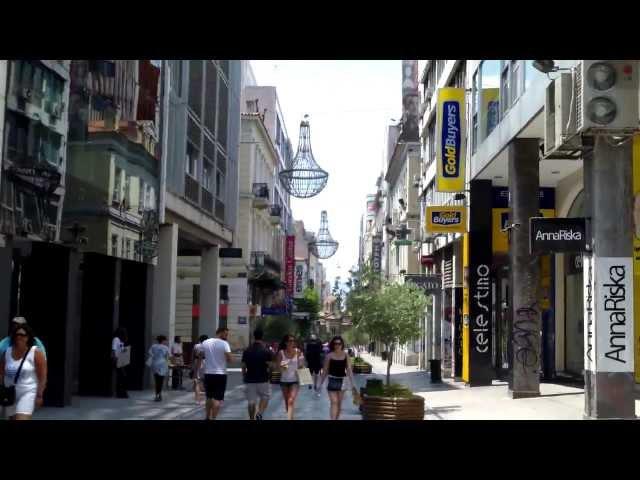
{"type": "Point", "coordinates": [387, 312]}
{"type": "Point", "coordinates": [309, 303]}
{"type": "Point", "coordinates": [277, 326]}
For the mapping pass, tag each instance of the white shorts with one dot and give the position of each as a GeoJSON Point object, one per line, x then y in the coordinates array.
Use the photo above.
{"type": "Point", "coordinates": [25, 401]}
{"type": "Point", "coordinates": [255, 390]}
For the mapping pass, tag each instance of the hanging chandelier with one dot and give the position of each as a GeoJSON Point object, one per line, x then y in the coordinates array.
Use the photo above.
{"type": "Point", "coordinates": [323, 246]}
{"type": "Point", "coordinates": [303, 177]}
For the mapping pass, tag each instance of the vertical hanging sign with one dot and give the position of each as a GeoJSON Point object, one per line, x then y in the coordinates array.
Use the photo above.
{"type": "Point", "coordinates": [450, 140]}
{"type": "Point", "coordinates": [290, 264]}
{"type": "Point", "coordinates": [636, 253]}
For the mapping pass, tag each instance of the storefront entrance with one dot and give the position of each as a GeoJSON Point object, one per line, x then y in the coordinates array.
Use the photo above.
{"type": "Point", "coordinates": [574, 300]}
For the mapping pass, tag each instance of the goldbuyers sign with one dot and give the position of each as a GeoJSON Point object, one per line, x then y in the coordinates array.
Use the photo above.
{"type": "Point", "coordinates": [450, 140]}
{"type": "Point", "coordinates": [451, 219]}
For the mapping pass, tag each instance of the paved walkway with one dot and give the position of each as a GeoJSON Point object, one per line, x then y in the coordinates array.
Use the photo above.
{"type": "Point", "coordinates": [448, 400]}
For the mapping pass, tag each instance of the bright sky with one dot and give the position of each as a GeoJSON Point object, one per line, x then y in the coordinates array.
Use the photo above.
{"type": "Point", "coordinates": [349, 103]}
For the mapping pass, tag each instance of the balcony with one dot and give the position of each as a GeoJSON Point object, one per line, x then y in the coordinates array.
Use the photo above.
{"type": "Point", "coordinates": [262, 261]}
{"type": "Point", "coordinates": [191, 189]}
{"type": "Point", "coordinates": [260, 193]}
{"type": "Point", "coordinates": [275, 214]}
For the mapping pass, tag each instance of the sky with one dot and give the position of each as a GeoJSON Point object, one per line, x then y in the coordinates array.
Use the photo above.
{"type": "Point", "coordinates": [350, 103]}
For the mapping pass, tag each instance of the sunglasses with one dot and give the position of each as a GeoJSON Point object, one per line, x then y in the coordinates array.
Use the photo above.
{"type": "Point", "coordinates": [337, 343]}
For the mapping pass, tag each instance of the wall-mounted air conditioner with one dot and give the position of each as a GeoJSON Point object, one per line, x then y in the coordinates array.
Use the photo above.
{"type": "Point", "coordinates": [599, 96]}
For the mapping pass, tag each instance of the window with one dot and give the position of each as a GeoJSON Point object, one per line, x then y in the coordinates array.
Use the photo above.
{"type": "Point", "coordinates": [137, 251]}
{"type": "Point", "coordinates": [141, 196]}
{"type": "Point", "coordinates": [117, 185]}
{"type": "Point", "coordinates": [223, 112]}
{"type": "Point", "coordinates": [127, 189]}
{"type": "Point", "coordinates": [122, 248]}
{"type": "Point", "coordinates": [114, 245]}
{"type": "Point", "coordinates": [17, 135]}
{"type": "Point", "coordinates": [505, 99]}
{"type": "Point", "coordinates": [475, 106]}
{"type": "Point", "coordinates": [489, 96]}
{"type": "Point", "coordinates": [149, 201]}
{"type": "Point", "coordinates": [220, 185]}
{"type": "Point", "coordinates": [195, 87]}
{"type": "Point", "coordinates": [439, 69]}
{"type": "Point", "coordinates": [515, 80]}
{"type": "Point", "coordinates": [128, 251]}
{"type": "Point", "coordinates": [211, 98]}
{"type": "Point", "coordinates": [207, 176]}
{"type": "Point", "coordinates": [192, 160]}
{"type": "Point", "coordinates": [432, 143]}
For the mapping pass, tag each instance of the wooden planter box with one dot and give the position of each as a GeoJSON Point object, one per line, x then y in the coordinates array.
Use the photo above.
{"type": "Point", "coordinates": [361, 368]}
{"type": "Point", "coordinates": [392, 408]}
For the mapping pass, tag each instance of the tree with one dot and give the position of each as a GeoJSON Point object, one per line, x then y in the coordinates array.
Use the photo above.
{"type": "Point", "coordinates": [387, 312]}
{"type": "Point", "coordinates": [308, 303]}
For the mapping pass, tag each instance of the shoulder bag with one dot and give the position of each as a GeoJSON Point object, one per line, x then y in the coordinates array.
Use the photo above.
{"type": "Point", "coordinates": [8, 394]}
{"type": "Point", "coordinates": [304, 375]}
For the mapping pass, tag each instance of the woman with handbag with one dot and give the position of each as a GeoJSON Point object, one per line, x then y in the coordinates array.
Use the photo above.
{"type": "Point", "coordinates": [289, 360]}
{"type": "Point", "coordinates": [337, 367]}
{"type": "Point", "coordinates": [159, 363]}
{"type": "Point", "coordinates": [23, 369]}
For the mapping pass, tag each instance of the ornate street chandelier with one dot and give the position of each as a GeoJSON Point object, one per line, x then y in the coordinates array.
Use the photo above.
{"type": "Point", "coordinates": [303, 177]}
{"type": "Point", "coordinates": [323, 246]}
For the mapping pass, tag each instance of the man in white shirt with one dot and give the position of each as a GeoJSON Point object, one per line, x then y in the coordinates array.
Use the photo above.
{"type": "Point", "coordinates": [217, 353]}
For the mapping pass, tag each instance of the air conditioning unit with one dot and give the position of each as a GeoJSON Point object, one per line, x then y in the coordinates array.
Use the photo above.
{"type": "Point", "coordinates": [601, 96]}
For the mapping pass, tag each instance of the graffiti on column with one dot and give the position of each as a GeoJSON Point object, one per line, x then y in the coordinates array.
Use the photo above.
{"type": "Point", "coordinates": [526, 334]}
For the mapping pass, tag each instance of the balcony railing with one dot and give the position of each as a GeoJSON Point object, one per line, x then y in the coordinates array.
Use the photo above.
{"type": "Point", "coordinates": [207, 200]}
{"type": "Point", "coordinates": [260, 260]}
{"type": "Point", "coordinates": [260, 190]}
{"type": "Point", "coordinates": [275, 210]}
{"type": "Point", "coordinates": [191, 189]}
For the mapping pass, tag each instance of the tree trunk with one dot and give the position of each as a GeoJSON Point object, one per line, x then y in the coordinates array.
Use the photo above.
{"type": "Point", "coordinates": [389, 361]}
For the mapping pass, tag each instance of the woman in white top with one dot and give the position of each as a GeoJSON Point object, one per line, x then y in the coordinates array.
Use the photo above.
{"type": "Point", "coordinates": [32, 376]}
{"type": "Point", "coordinates": [159, 353]}
{"type": "Point", "coordinates": [289, 360]}
{"type": "Point", "coordinates": [117, 347]}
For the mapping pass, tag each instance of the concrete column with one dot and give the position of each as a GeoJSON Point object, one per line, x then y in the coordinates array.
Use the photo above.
{"type": "Point", "coordinates": [209, 291]}
{"type": "Point", "coordinates": [609, 339]}
{"type": "Point", "coordinates": [164, 288]}
{"type": "Point", "coordinates": [6, 256]}
{"type": "Point", "coordinates": [436, 337]}
{"type": "Point", "coordinates": [524, 187]}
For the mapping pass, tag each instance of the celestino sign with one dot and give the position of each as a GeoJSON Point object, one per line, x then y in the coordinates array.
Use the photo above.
{"type": "Point", "coordinates": [550, 235]}
{"type": "Point", "coordinates": [450, 135]}
{"type": "Point", "coordinates": [446, 219]}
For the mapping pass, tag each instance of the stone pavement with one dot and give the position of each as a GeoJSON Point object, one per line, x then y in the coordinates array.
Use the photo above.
{"type": "Point", "coordinates": [449, 400]}
{"type": "Point", "coordinates": [180, 405]}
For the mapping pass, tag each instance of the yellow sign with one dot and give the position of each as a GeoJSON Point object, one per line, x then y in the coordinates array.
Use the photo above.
{"type": "Point", "coordinates": [465, 308]}
{"type": "Point", "coordinates": [446, 219]}
{"type": "Point", "coordinates": [636, 252]}
{"type": "Point", "coordinates": [450, 140]}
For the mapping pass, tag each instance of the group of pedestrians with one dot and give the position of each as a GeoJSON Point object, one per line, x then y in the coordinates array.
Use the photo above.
{"type": "Point", "coordinates": [23, 370]}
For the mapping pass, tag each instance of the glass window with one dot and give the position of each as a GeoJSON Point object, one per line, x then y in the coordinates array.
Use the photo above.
{"type": "Point", "coordinates": [432, 143]}
{"type": "Point", "coordinates": [504, 90]}
{"type": "Point", "coordinates": [220, 186]}
{"type": "Point", "coordinates": [207, 174]}
{"type": "Point", "coordinates": [211, 98]}
{"type": "Point", "coordinates": [192, 160]}
{"type": "Point", "coordinates": [515, 80]}
{"type": "Point", "coordinates": [222, 162]}
{"type": "Point", "coordinates": [127, 189]}
{"type": "Point", "coordinates": [489, 96]}
{"type": "Point", "coordinates": [128, 254]}
{"type": "Point", "coordinates": [141, 196]}
{"type": "Point", "coordinates": [195, 87]}
{"type": "Point", "coordinates": [114, 245]}
{"type": "Point", "coordinates": [26, 75]}
{"type": "Point", "coordinates": [223, 112]}
{"type": "Point", "coordinates": [16, 134]}
{"type": "Point", "coordinates": [117, 184]}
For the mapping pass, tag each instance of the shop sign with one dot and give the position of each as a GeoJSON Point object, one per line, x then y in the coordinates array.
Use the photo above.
{"type": "Point", "coordinates": [446, 219]}
{"type": "Point", "coordinates": [376, 254]}
{"type": "Point", "coordinates": [614, 314]}
{"type": "Point", "coordinates": [552, 235]}
{"type": "Point", "coordinates": [290, 246]}
{"type": "Point", "coordinates": [450, 135]}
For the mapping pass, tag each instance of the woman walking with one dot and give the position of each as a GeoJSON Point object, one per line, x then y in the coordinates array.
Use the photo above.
{"type": "Point", "coordinates": [24, 366]}
{"type": "Point", "coordinates": [178, 362]}
{"type": "Point", "coordinates": [159, 356]}
{"type": "Point", "coordinates": [289, 360]}
{"type": "Point", "coordinates": [337, 366]}
{"type": "Point", "coordinates": [118, 343]}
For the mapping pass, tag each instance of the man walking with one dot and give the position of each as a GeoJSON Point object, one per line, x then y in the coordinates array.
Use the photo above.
{"type": "Point", "coordinates": [217, 353]}
{"type": "Point", "coordinates": [255, 372]}
{"type": "Point", "coordinates": [313, 354]}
